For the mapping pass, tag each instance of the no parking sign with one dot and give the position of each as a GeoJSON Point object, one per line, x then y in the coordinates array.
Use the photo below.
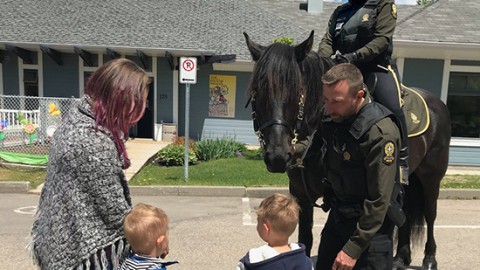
{"type": "Point", "coordinates": [188, 75]}
{"type": "Point", "coordinates": [188, 70]}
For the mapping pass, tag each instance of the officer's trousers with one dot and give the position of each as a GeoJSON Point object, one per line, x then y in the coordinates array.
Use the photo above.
{"type": "Point", "coordinates": [387, 93]}
{"type": "Point", "coordinates": [337, 231]}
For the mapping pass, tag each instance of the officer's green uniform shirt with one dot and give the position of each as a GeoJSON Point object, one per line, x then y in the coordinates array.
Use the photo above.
{"type": "Point", "coordinates": [378, 148]}
{"type": "Point", "coordinates": [383, 33]}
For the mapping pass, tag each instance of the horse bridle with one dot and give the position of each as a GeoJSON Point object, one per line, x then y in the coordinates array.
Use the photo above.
{"type": "Point", "coordinates": [260, 128]}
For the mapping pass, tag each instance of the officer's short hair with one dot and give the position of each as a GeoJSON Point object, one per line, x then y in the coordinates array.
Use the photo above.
{"type": "Point", "coordinates": [280, 212]}
{"type": "Point", "coordinates": [345, 71]}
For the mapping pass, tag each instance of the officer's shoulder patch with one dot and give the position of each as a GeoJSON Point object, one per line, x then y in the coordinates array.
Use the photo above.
{"type": "Point", "coordinates": [394, 11]}
{"type": "Point", "coordinates": [388, 153]}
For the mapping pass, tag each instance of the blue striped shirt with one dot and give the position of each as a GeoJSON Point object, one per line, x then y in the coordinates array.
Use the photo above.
{"type": "Point", "coordinates": [144, 262]}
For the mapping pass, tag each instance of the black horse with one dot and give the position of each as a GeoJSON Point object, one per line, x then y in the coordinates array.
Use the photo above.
{"type": "Point", "coordinates": [285, 90]}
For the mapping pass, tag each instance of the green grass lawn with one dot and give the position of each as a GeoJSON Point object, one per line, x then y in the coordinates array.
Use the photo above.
{"type": "Point", "coordinates": [244, 172]}
{"type": "Point", "coordinates": [35, 176]}
{"type": "Point", "coordinates": [223, 172]}
{"type": "Point", "coordinates": [461, 181]}
{"type": "Point", "coordinates": [248, 173]}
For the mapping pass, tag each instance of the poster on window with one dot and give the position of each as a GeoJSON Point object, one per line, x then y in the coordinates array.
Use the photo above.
{"type": "Point", "coordinates": [222, 96]}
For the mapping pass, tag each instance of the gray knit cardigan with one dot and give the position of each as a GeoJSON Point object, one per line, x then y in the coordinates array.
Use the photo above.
{"type": "Point", "coordinates": [79, 221]}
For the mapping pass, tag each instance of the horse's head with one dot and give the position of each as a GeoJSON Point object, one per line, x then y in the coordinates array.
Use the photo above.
{"type": "Point", "coordinates": [277, 95]}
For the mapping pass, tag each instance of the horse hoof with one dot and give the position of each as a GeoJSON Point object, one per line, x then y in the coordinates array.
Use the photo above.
{"type": "Point", "coordinates": [429, 263]}
{"type": "Point", "coordinates": [398, 264]}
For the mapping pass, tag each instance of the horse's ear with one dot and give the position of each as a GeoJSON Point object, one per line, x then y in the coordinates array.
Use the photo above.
{"type": "Point", "coordinates": [255, 49]}
{"type": "Point", "coordinates": [304, 48]}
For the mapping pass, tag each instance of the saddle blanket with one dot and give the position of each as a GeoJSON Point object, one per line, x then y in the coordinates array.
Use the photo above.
{"type": "Point", "coordinates": [416, 111]}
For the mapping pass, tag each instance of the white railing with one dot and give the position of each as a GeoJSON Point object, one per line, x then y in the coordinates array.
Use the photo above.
{"type": "Point", "coordinates": [18, 112]}
{"type": "Point", "coordinates": [10, 119]}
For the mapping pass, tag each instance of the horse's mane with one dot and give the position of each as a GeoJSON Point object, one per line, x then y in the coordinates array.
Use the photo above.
{"type": "Point", "coordinates": [279, 77]}
{"type": "Point", "coordinates": [276, 75]}
{"type": "Point", "coordinates": [312, 69]}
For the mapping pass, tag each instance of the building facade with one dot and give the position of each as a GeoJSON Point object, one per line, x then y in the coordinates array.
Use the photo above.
{"type": "Point", "coordinates": [49, 50]}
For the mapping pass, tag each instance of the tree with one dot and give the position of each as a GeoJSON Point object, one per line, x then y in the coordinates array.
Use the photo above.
{"type": "Point", "coordinates": [424, 2]}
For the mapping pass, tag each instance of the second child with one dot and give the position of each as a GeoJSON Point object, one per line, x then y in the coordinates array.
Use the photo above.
{"type": "Point", "coordinates": [146, 230]}
{"type": "Point", "coordinates": [277, 218]}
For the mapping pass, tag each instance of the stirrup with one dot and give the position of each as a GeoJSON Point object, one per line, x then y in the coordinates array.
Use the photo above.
{"type": "Point", "coordinates": [404, 175]}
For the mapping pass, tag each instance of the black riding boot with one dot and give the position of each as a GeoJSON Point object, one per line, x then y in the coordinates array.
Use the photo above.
{"type": "Point", "coordinates": [403, 157]}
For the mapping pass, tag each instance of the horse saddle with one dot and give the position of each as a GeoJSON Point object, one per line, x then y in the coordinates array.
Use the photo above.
{"type": "Point", "coordinates": [415, 108]}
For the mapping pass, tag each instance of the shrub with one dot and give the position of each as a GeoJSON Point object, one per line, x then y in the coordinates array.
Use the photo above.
{"type": "Point", "coordinates": [218, 148]}
{"type": "Point", "coordinates": [174, 155]}
{"type": "Point", "coordinates": [255, 154]}
{"type": "Point", "coordinates": [180, 140]}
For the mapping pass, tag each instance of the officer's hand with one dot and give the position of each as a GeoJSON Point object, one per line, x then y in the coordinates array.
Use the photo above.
{"type": "Point", "coordinates": [343, 262]}
{"type": "Point", "coordinates": [346, 58]}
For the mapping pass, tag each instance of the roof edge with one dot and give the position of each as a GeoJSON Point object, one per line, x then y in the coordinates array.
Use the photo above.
{"type": "Point", "coordinates": [159, 51]}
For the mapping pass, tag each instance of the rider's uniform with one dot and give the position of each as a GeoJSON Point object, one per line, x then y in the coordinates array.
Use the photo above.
{"type": "Point", "coordinates": [364, 30]}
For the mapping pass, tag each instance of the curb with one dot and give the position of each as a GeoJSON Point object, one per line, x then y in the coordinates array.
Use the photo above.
{"type": "Point", "coordinates": [263, 192]}
{"type": "Point", "coordinates": [221, 191]}
{"type": "Point", "coordinates": [14, 187]}
{"type": "Point", "coordinates": [210, 191]}
{"type": "Point", "coordinates": [458, 193]}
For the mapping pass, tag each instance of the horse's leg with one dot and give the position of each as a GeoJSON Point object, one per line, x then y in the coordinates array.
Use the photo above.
{"type": "Point", "coordinates": [430, 195]}
{"type": "Point", "coordinates": [430, 173]}
{"type": "Point", "coordinates": [403, 258]}
{"type": "Point", "coordinates": [305, 225]}
{"type": "Point", "coordinates": [429, 261]}
{"type": "Point", "coordinates": [305, 219]}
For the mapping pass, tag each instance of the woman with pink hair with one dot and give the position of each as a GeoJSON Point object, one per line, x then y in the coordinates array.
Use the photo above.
{"type": "Point", "coordinates": [79, 221]}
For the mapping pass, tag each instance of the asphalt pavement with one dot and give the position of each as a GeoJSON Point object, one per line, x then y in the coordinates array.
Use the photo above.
{"type": "Point", "coordinates": [215, 232]}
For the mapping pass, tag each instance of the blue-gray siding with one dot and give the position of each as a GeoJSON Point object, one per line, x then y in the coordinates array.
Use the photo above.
{"type": "Point", "coordinates": [424, 73]}
{"type": "Point", "coordinates": [464, 155]}
{"type": "Point", "coordinates": [221, 128]}
{"type": "Point", "coordinates": [61, 81]}
{"type": "Point", "coordinates": [199, 98]}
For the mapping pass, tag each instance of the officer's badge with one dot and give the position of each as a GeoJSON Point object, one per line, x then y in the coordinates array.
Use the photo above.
{"type": "Point", "coordinates": [394, 11]}
{"type": "Point", "coordinates": [414, 118]}
{"type": "Point", "coordinates": [388, 157]}
{"type": "Point", "coordinates": [346, 155]}
{"type": "Point", "coordinates": [365, 17]}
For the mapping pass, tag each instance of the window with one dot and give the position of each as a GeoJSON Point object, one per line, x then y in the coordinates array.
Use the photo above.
{"type": "Point", "coordinates": [30, 82]}
{"type": "Point", "coordinates": [464, 104]}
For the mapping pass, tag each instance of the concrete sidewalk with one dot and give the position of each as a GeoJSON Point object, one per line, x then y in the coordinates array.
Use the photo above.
{"type": "Point", "coordinates": [470, 170]}
{"type": "Point", "coordinates": [140, 151]}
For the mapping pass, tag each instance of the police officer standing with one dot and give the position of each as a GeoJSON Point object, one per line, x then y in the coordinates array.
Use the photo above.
{"type": "Point", "coordinates": [360, 32]}
{"type": "Point", "coordinates": [360, 156]}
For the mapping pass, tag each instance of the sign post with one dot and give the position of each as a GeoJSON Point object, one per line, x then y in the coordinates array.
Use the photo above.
{"type": "Point", "coordinates": [188, 75]}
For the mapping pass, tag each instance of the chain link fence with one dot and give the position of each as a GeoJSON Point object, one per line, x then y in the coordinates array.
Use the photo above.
{"type": "Point", "coordinates": [28, 123]}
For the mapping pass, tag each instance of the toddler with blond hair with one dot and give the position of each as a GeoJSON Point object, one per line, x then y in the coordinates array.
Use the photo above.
{"type": "Point", "coordinates": [146, 230]}
{"type": "Point", "coordinates": [277, 218]}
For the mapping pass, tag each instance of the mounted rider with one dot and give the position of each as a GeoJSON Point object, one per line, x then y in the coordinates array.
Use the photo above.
{"type": "Point", "coordinates": [360, 32]}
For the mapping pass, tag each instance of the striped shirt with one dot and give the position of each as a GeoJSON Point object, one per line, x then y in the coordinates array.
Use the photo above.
{"type": "Point", "coordinates": [144, 262]}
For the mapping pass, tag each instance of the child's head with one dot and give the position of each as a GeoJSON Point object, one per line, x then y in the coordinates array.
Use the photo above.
{"type": "Point", "coordinates": [277, 214]}
{"type": "Point", "coordinates": [146, 229]}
